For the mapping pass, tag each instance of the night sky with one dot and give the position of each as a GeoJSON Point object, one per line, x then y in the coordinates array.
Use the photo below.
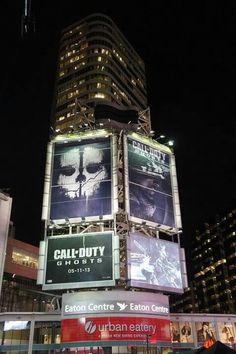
{"type": "Point", "coordinates": [190, 56]}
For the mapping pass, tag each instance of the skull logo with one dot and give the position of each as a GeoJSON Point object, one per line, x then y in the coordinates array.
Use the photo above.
{"type": "Point", "coordinates": [81, 171]}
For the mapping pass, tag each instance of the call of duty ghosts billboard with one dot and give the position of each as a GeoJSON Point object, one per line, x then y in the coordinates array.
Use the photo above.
{"type": "Point", "coordinates": [81, 181]}
{"type": "Point", "coordinates": [83, 260]}
{"type": "Point", "coordinates": [154, 264]}
{"type": "Point", "coordinates": [151, 184]}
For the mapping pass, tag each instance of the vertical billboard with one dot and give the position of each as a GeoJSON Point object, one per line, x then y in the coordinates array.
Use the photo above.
{"type": "Point", "coordinates": [154, 264]}
{"type": "Point", "coordinates": [206, 332]}
{"type": "Point", "coordinates": [151, 183]}
{"type": "Point", "coordinates": [226, 332]}
{"type": "Point", "coordinates": [80, 171]}
{"type": "Point", "coordinates": [175, 332]}
{"type": "Point", "coordinates": [82, 260]}
{"type": "Point", "coordinates": [186, 332]}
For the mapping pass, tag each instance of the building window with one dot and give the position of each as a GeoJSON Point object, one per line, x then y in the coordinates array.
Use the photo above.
{"type": "Point", "coordinates": [24, 258]}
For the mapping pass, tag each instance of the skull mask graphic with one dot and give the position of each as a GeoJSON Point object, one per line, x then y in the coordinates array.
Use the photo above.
{"type": "Point", "coordinates": [81, 171]}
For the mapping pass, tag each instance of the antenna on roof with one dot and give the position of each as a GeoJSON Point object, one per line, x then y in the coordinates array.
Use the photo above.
{"type": "Point", "coordinates": [27, 20]}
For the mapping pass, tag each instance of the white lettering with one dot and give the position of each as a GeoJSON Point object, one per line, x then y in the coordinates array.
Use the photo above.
{"type": "Point", "coordinates": [101, 307]}
{"type": "Point", "coordinates": [75, 308]}
{"type": "Point", "coordinates": [89, 252]}
{"type": "Point", "coordinates": [112, 327]}
{"type": "Point", "coordinates": [161, 309]}
{"type": "Point", "coordinates": [139, 307]}
{"type": "Point", "coordinates": [145, 150]}
{"type": "Point", "coordinates": [141, 327]}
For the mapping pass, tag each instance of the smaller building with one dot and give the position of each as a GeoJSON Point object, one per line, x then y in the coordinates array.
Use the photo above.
{"type": "Point", "coordinates": [20, 293]}
{"type": "Point", "coordinates": [213, 287]}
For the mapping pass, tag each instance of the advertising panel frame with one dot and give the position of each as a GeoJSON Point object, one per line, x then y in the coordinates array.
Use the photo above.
{"type": "Point", "coordinates": [69, 255]}
{"type": "Point", "coordinates": [161, 149]}
{"type": "Point", "coordinates": [90, 137]}
{"type": "Point", "coordinates": [149, 267]}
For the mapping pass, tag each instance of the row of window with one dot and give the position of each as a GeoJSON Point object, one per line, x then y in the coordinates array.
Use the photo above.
{"type": "Point", "coordinates": [24, 258]}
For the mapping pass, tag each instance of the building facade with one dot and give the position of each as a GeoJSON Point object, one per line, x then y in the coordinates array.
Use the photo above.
{"type": "Point", "coordinates": [96, 65]}
{"type": "Point", "coordinates": [214, 256]}
{"type": "Point", "coordinates": [213, 287]}
{"type": "Point", "coordinates": [20, 293]}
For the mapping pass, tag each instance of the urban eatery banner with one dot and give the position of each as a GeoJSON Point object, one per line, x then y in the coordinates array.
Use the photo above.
{"type": "Point", "coordinates": [154, 263]}
{"type": "Point", "coordinates": [151, 183]}
{"type": "Point", "coordinates": [115, 329]}
{"type": "Point", "coordinates": [83, 260]}
{"type": "Point", "coordinates": [81, 181]}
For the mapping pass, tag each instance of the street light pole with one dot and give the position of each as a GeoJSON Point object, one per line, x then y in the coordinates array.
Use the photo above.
{"type": "Point", "coordinates": [147, 342]}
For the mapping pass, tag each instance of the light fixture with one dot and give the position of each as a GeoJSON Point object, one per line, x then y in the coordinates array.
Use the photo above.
{"type": "Point", "coordinates": [170, 143]}
{"type": "Point", "coordinates": [67, 220]}
{"type": "Point", "coordinates": [53, 225]}
{"type": "Point", "coordinates": [151, 133]}
{"type": "Point", "coordinates": [160, 137]}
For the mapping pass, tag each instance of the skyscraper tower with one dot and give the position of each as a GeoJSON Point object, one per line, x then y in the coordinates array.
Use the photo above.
{"type": "Point", "coordinates": [111, 206]}
{"type": "Point", "coordinates": [96, 65]}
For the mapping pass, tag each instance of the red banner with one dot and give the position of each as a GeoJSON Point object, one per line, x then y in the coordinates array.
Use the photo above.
{"type": "Point", "coordinates": [115, 329]}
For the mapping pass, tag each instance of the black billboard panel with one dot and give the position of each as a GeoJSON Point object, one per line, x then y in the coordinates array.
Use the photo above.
{"type": "Point", "coordinates": [82, 260]}
{"type": "Point", "coordinates": [81, 179]}
{"type": "Point", "coordinates": [150, 184]}
{"type": "Point", "coordinates": [154, 264]}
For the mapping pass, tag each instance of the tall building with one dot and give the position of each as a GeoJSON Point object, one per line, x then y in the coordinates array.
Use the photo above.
{"type": "Point", "coordinates": [111, 209]}
{"type": "Point", "coordinates": [96, 65]}
{"type": "Point", "coordinates": [213, 287]}
{"type": "Point", "coordinates": [111, 251]}
{"type": "Point", "coordinates": [111, 206]}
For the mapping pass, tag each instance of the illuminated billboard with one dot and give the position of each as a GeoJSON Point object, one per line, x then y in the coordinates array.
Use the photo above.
{"type": "Point", "coordinates": [122, 328]}
{"type": "Point", "coordinates": [206, 331]}
{"type": "Point", "coordinates": [226, 332]}
{"type": "Point", "coordinates": [151, 184]}
{"type": "Point", "coordinates": [82, 260]}
{"type": "Point", "coordinates": [154, 264]}
{"type": "Point", "coordinates": [79, 180]}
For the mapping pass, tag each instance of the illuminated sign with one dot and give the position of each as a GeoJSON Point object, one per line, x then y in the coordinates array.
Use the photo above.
{"type": "Point", "coordinates": [81, 180]}
{"type": "Point", "coordinates": [226, 332]}
{"type": "Point", "coordinates": [115, 329]}
{"type": "Point", "coordinates": [154, 263]}
{"type": "Point", "coordinates": [151, 184]}
{"type": "Point", "coordinates": [115, 301]}
{"type": "Point", "coordinates": [83, 260]}
{"type": "Point", "coordinates": [15, 325]}
{"type": "Point", "coordinates": [206, 332]}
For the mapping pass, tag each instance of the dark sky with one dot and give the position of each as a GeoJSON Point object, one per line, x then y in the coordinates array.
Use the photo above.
{"type": "Point", "coordinates": [190, 53]}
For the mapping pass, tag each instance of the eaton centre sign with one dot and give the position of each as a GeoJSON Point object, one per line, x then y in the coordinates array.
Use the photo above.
{"type": "Point", "coordinates": [114, 302]}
